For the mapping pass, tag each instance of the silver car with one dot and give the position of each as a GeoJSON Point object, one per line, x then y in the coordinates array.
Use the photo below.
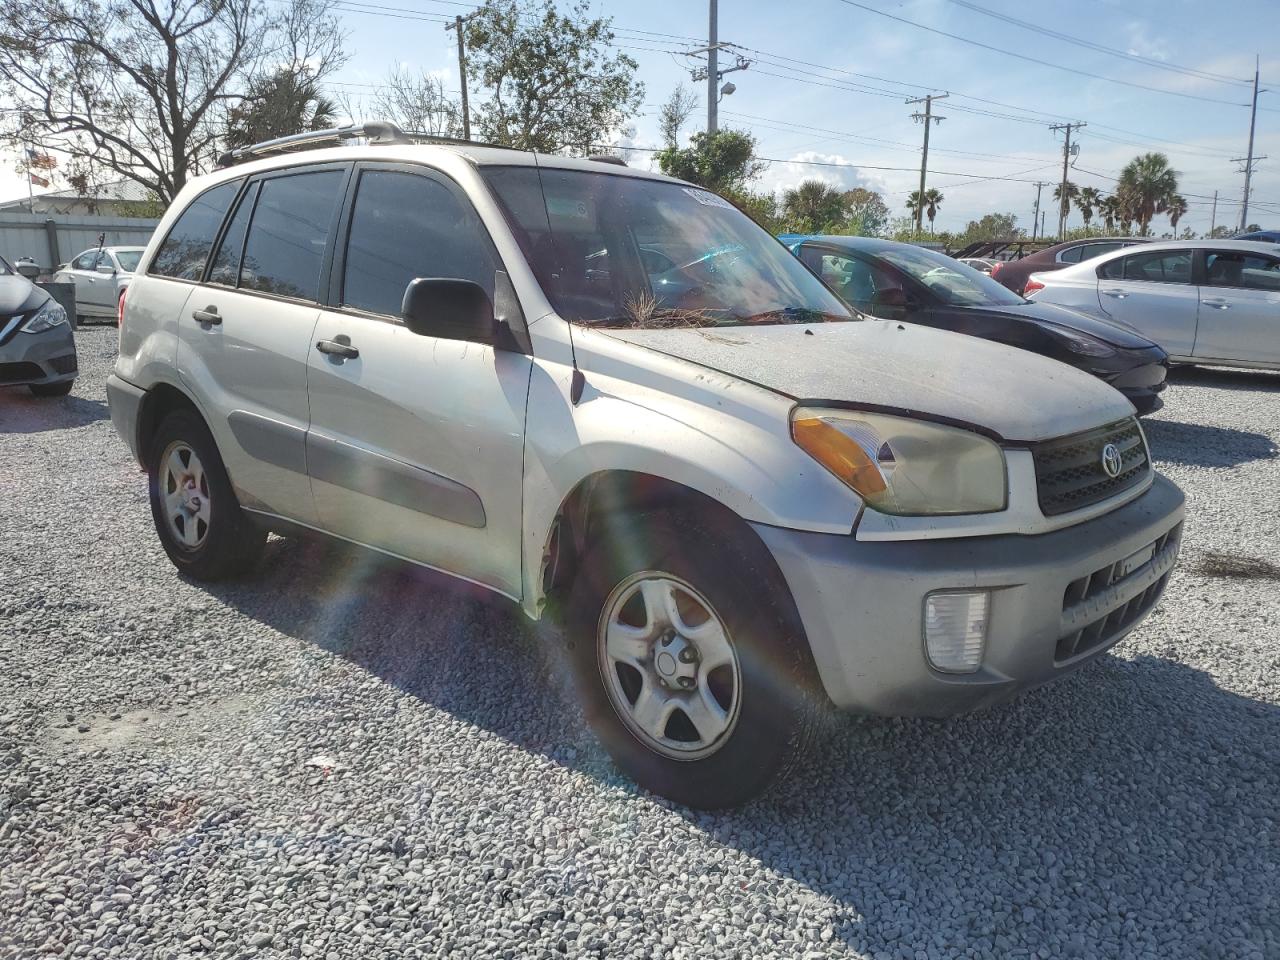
{"type": "Point", "coordinates": [100, 276]}
{"type": "Point", "coordinates": [37, 347]}
{"type": "Point", "coordinates": [1204, 301]}
{"type": "Point", "coordinates": [743, 500]}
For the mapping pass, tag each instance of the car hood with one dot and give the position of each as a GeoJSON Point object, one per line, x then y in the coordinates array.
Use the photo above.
{"type": "Point", "coordinates": [1018, 395]}
{"type": "Point", "coordinates": [18, 295]}
{"type": "Point", "coordinates": [1114, 332]}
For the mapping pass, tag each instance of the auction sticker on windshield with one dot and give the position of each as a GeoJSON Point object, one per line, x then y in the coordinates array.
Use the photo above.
{"type": "Point", "coordinates": [708, 199]}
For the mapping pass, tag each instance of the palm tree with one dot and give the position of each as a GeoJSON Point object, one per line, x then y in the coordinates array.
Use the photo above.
{"type": "Point", "coordinates": [1088, 200]}
{"type": "Point", "coordinates": [1146, 186]}
{"type": "Point", "coordinates": [913, 202]}
{"type": "Point", "coordinates": [1065, 197]}
{"type": "Point", "coordinates": [1177, 209]}
{"type": "Point", "coordinates": [813, 207]}
{"type": "Point", "coordinates": [932, 201]}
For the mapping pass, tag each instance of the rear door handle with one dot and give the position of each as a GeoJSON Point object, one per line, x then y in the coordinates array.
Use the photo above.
{"type": "Point", "coordinates": [1118, 294]}
{"type": "Point", "coordinates": [208, 315]}
{"type": "Point", "coordinates": [1217, 302]}
{"type": "Point", "coordinates": [339, 348]}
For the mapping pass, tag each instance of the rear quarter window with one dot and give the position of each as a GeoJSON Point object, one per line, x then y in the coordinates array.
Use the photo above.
{"type": "Point", "coordinates": [186, 248]}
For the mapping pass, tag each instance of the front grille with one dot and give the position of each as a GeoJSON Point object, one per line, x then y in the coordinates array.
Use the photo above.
{"type": "Point", "coordinates": [1069, 471]}
{"type": "Point", "coordinates": [1099, 607]}
{"type": "Point", "coordinates": [18, 372]}
{"type": "Point", "coordinates": [66, 364]}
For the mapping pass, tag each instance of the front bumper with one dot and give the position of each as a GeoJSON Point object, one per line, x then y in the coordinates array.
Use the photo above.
{"type": "Point", "coordinates": [1142, 385]}
{"type": "Point", "coordinates": [1057, 601]}
{"type": "Point", "coordinates": [45, 357]}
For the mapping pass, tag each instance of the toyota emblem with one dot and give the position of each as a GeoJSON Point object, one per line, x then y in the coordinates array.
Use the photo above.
{"type": "Point", "coordinates": [1111, 461]}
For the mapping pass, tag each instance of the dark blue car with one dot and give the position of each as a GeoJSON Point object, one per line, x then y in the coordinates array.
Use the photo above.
{"type": "Point", "coordinates": [900, 281]}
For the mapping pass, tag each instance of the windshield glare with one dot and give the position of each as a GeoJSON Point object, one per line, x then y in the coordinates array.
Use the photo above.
{"type": "Point", "coordinates": [953, 282]}
{"type": "Point", "coordinates": [623, 251]}
{"type": "Point", "coordinates": [128, 259]}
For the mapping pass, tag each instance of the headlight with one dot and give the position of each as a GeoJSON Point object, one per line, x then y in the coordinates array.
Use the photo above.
{"type": "Point", "coordinates": [1082, 344]}
{"type": "Point", "coordinates": [904, 466]}
{"type": "Point", "coordinates": [46, 318]}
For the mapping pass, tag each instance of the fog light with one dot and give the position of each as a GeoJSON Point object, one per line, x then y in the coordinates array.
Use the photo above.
{"type": "Point", "coordinates": [955, 629]}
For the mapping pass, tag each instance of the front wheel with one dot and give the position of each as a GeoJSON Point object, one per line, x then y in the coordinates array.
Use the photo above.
{"type": "Point", "coordinates": [693, 670]}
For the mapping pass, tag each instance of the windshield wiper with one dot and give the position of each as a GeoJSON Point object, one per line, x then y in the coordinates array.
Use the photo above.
{"type": "Point", "coordinates": [795, 315]}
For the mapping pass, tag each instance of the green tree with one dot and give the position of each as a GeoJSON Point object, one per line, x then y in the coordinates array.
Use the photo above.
{"type": "Point", "coordinates": [1066, 197]}
{"type": "Point", "coordinates": [1176, 208]}
{"type": "Point", "coordinates": [866, 213]}
{"type": "Point", "coordinates": [724, 162]}
{"type": "Point", "coordinates": [1088, 200]}
{"type": "Point", "coordinates": [285, 102]}
{"type": "Point", "coordinates": [675, 113]}
{"type": "Point", "coordinates": [813, 207]}
{"type": "Point", "coordinates": [992, 226]}
{"type": "Point", "coordinates": [762, 207]}
{"type": "Point", "coordinates": [1146, 187]}
{"type": "Point", "coordinates": [932, 201]}
{"type": "Point", "coordinates": [553, 80]}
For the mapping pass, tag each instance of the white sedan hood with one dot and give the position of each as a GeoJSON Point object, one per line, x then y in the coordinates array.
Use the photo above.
{"type": "Point", "coordinates": [1018, 395]}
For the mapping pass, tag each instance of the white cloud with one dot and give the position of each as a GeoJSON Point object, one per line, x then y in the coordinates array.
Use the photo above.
{"type": "Point", "coordinates": [809, 165]}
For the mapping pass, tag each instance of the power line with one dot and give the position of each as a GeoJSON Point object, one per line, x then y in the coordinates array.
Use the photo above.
{"type": "Point", "coordinates": [1047, 63]}
{"type": "Point", "coordinates": [1101, 48]}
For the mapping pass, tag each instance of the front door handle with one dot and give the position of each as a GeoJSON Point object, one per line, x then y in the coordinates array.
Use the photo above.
{"type": "Point", "coordinates": [339, 348]}
{"type": "Point", "coordinates": [1217, 302]}
{"type": "Point", "coordinates": [208, 315]}
{"type": "Point", "coordinates": [1118, 294]}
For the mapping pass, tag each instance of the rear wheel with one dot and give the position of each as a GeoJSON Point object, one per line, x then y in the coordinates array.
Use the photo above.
{"type": "Point", "coordinates": [51, 389]}
{"type": "Point", "coordinates": [196, 513]}
{"type": "Point", "coordinates": [692, 668]}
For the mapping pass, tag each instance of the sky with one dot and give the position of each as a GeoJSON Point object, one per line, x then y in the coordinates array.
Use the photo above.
{"type": "Point", "coordinates": [826, 89]}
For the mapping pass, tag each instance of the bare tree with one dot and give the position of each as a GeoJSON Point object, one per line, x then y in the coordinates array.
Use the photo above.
{"type": "Point", "coordinates": [417, 102]}
{"type": "Point", "coordinates": [142, 88]}
{"type": "Point", "coordinates": [674, 113]}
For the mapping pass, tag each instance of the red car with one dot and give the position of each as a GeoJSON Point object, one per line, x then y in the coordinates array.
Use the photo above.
{"type": "Point", "coordinates": [1014, 273]}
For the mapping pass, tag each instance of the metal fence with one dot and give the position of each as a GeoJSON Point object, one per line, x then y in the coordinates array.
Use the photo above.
{"type": "Point", "coordinates": [51, 240]}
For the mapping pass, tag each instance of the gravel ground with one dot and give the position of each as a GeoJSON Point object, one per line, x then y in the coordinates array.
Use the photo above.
{"type": "Point", "coordinates": [347, 759]}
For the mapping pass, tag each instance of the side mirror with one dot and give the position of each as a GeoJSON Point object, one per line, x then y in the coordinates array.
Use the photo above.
{"type": "Point", "coordinates": [449, 309]}
{"type": "Point", "coordinates": [106, 268]}
{"type": "Point", "coordinates": [27, 268]}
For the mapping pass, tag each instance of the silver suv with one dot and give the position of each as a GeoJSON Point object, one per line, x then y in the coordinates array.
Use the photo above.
{"type": "Point", "coordinates": [608, 393]}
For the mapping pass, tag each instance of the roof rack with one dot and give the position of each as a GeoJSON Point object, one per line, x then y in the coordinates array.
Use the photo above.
{"type": "Point", "coordinates": [375, 131]}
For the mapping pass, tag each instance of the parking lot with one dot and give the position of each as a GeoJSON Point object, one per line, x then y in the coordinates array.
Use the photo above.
{"type": "Point", "coordinates": [346, 757]}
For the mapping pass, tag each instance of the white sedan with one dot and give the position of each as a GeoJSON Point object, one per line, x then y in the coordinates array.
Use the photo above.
{"type": "Point", "coordinates": [1204, 301]}
{"type": "Point", "coordinates": [100, 276]}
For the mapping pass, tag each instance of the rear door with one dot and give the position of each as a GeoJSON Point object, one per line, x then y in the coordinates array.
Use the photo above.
{"type": "Point", "coordinates": [1239, 307]}
{"type": "Point", "coordinates": [1153, 292]}
{"type": "Point", "coordinates": [246, 332]}
{"type": "Point", "coordinates": [416, 444]}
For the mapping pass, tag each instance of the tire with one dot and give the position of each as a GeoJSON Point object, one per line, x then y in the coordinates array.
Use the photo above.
{"type": "Point", "coordinates": [201, 525]}
{"type": "Point", "coordinates": [51, 389]}
{"type": "Point", "coordinates": [756, 737]}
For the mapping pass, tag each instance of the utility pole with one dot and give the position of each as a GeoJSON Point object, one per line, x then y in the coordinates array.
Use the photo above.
{"type": "Point", "coordinates": [1035, 214]}
{"type": "Point", "coordinates": [462, 74]}
{"type": "Point", "coordinates": [1249, 159]}
{"type": "Point", "coordinates": [928, 119]}
{"type": "Point", "coordinates": [1064, 202]}
{"type": "Point", "coordinates": [713, 70]}
{"type": "Point", "coordinates": [1213, 215]}
{"type": "Point", "coordinates": [1042, 214]}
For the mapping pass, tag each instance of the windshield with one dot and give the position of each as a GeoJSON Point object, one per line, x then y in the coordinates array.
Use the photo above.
{"type": "Point", "coordinates": [128, 259]}
{"type": "Point", "coordinates": [621, 251]}
{"type": "Point", "coordinates": [955, 283]}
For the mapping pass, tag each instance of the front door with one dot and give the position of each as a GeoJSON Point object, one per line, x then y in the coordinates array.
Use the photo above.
{"type": "Point", "coordinates": [1239, 308]}
{"type": "Point", "coordinates": [1154, 293]}
{"type": "Point", "coordinates": [416, 444]}
{"type": "Point", "coordinates": [93, 289]}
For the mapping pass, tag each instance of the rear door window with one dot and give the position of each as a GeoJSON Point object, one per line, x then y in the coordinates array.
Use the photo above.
{"type": "Point", "coordinates": [1157, 266]}
{"type": "Point", "coordinates": [1072, 255]}
{"type": "Point", "coordinates": [186, 248]}
{"type": "Point", "coordinates": [226, 262]}
{"type": "Point", "coordinates": [1244, 271]}
{"type": "Point", "coordinates": [289, 232]}
{"type": "Point", "coordinates": [405, 226]}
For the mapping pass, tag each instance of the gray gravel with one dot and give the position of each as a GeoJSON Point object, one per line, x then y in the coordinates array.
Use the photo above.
{"type": "Point", "coordinates": [348, 759]}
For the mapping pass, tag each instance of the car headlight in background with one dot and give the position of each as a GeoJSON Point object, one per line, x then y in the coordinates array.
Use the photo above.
{"type": "Point", "coordinates": [46, 318]}
{"type": "Point", "coordinates": [904, 466]}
